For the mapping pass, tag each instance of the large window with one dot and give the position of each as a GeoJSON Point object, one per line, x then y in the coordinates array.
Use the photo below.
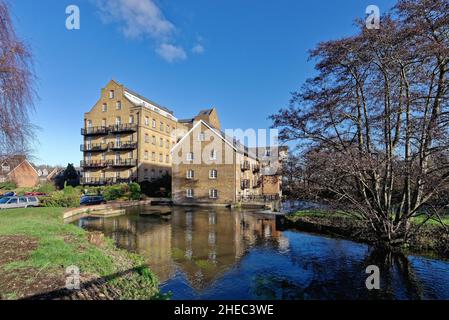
{"type": "Point", "coordinates": [111, 94]}
{"type": "Point", "coordinates": [189, 193]}
{"type": "Point", "coordinates": [153, 156]}
{"type": "Point", "coordinates": [147, 121]}
{"type": "Point", "coordinates": [190, 174]}
{"type": "Point", "coordinates": [189, 156]}
{"type": "Point", "coordinates": [213, 193]}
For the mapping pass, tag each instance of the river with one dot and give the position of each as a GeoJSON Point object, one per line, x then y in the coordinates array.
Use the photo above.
{"type": "Point", "coordinates": [214, 253]}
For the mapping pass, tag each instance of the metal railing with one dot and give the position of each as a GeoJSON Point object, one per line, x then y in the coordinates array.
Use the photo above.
{"type": "Point", "coordinates": [91, 131]}
{"type": "Point", "coordinates": [128, 145]}
{"type": "Point", "coordinates": [245, 166]}
{"type": "Point", "coordinates": [93, 164]}
{"type": "Point", "coordinates": [259, 198]}
{"type": "Point", "coordinates": [97, 147]}
{"type": "Point", "coordinates": [128, 127]}
{"type": "Point", "coordinates": [123, 163]}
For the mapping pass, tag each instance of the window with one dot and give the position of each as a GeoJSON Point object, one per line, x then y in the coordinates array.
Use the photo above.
{"type": "Point", "coordinates": [147, 138]}
{"type": "Point", "coordinates": [103, 122]}
{"type": "Point", "coordinates": [267, 153]}
{"type": "Point", "coordinates": [213, 193]}
{"type": "Point", "coordinates": [89, 123]}
{"type": "Point", "coordinates": [111, 94]}
{"type": "Point", "coordinates": [154, 140]}
{"type": "Point", "coordinates": [23, 200]}
{"type": "Point", "coordinates": [145, 156]}
{"type": "Point", "coordinates": [147, 121]}
{"type": "Point", "coordinates": [13, 201]}
{"type": "Point", "coordinates": [213, 155]}
{"type": "Point", "coordinates": [153, 123]}
{"type": "Point", "coordinates": [201, 136]}
{"type": "Point", "coordinates": [190, 174]}
{"type": "Point", "coordinates": [161, 142]}
{"type": "Point", "coordinates": [189, 193]}
{"type": "Point", "coordinates": [167, 144]}
{"type": "Point", "coordinates": [167, 129]}
{"type": "Point", "coordinates": [213, 174]}
{"type": "Point", "coordinates": [118, 121]}
{"type": "Point", "coordinates": [153, 156]}
{"type": "Point", "coordinates": [167, 159]}
{"type": "Point", "coordinates": [6, 168]}
{"type": "Point", "coordinates": [153, 174]}
{"type": "Point", "coordinates": [161, 126]}
{"type": "Point", "coordinates": [161, 157]}
{"type": "Point", "coordinates": [190, 156]}
{"type": "Point", "coordinates": [131, 119]}
{"type": "Point", "coordinates": [118, 105]}
{"type": "Point", "coordinates": [105, 107]}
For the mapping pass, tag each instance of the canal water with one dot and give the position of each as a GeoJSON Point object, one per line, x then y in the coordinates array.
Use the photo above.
{"type": "Point", "coordinates": [201, 253]}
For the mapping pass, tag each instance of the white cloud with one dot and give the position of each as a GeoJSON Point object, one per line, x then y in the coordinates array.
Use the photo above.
{"type": "Point", "coordinates": [171, 53]}
{"type": "Point", "coordinates": [198, 49]}
{"type": "Point", "coordinates": [138, 17]}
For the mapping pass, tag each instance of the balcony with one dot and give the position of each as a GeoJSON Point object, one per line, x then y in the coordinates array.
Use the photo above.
{"type": "Point", "coordinates": [258, 183]}
{"type": "Point", "coordinates": [94, 164]}
{"type": "Point", "coordinates": [94, 131]}
{"type": "Point", "coordinates": [244, 184]}
{"type": "Point", "coordinates": [123, 128]}
{"type": "Point", "coordinates": [93, 181]}
{"type": "Point", "coordinates": [123, 163]}
{"type": "Point", "coordinates": [245, 166]}
{"type": "Point", "coordinates": [98, 147]}
{"type": "Point", "coordinates": [120, 180]}
{"type": "Point", "coordinates": [256, 168]}
{"type": "Point", "coordinates": [123, 146]}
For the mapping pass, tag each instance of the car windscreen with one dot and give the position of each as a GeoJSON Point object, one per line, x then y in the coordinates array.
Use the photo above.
{"type": "Point", "coordinates": [4, 200]}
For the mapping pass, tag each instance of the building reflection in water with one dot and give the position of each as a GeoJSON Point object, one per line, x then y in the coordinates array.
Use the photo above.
{"type": "Point", "coordinates": [200, 243]}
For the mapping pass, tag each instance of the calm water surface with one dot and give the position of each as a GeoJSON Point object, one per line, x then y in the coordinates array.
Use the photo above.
{"type": "Point", "coordinates": [225, 254]}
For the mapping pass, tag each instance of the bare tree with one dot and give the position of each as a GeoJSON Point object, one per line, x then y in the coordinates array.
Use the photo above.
{"type": "Point", "coordinates": [16, 88]}
{"type": "Point", "coordinates": [373, 124]}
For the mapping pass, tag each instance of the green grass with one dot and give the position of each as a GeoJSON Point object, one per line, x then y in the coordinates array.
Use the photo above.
{"type": "Point", "coordinates": [60, 245]}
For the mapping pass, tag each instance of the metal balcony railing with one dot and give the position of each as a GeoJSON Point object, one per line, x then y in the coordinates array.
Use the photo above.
{"type": "Point", "coordinates": [245, 166]}
{"type": "Point", "coordinates": [94, 181]}
{"type": "Point", "coordinates": [123, 163]}
{"type": "Point", "coordinates": [120, 128]}
{"type": "Point", "coordinates": [92, 131]}
{"type": "Point", "coordinates": [97, 147]}
{"type": "Point", "coordinates": [129, 145]}
{"type": "Point", "coordinates": [93, 164]}
{"type": "Point", "coordinates": [244, 184]}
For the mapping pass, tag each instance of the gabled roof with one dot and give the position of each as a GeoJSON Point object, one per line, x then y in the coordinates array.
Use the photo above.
{"type": "Point", "coordinates": [20, 164]}
{"type": "Point", "coordinates": [233, 143]}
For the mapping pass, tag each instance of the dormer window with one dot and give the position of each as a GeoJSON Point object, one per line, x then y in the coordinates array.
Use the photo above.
{"type": "Point", "coordinates": [6, 168]}
{"type": "Point", "coordinates": [111, 94]}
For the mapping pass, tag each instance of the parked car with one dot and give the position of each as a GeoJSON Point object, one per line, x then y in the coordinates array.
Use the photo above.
{"type": "Point", "coordinates": [36, 194]}
{"type": "Point", "coordinates": [92, 200]}
{"type": "Point", "coordinates": [9, 194]}
{"type": "Point", "coordinates": [18, 202]}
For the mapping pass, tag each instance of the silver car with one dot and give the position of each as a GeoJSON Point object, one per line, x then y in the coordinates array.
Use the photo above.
{"type": "Point", "coordinates": [18, 202]}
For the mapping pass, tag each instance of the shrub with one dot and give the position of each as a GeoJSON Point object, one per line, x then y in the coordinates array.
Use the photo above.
{"type": "Point", "coordinates": [46, 188]}
{"type": "Point", "coordinates": [116, 192]}
{"type": "Point", "coordinates": [61, 199]}
{"type": "Point", "coordinates": [134, 190]}
{"type": "Point", "coordinates": [9, 185]}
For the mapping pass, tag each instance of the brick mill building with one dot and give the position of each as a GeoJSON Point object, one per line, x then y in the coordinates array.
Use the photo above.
{"type": "Point", "coordinates": [128, 137]}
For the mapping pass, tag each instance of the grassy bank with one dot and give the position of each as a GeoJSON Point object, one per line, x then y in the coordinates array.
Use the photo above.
{"type": "Point", "coordinates": [431, 238]}
{"type": "Point", "coordinates": [36, 248]}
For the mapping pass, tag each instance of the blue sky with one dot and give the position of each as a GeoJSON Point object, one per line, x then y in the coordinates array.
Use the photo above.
{"type": "Point", "coordinates": [242, 56]}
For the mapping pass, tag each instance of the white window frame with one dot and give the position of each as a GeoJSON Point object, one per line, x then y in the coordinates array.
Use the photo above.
{"type": "Point", "coordinates": [153, 123]}
{"type": "Point", "coordinates": [213, 154]}
{"type": "Point", "coordinates": [104, 107]}
{"type": "Point", "coordinates": [211, 175]}
{"type": "Point", "coordinates": [190, 156]}
{"type": "Point", "coordinates": [118, 105]}
{"type": "Point", "coordinates": [189, 193]}
{"type": "Point", "coordinates": [190, 174]}
{"type": "Point", "coordinates": [201, 136]}
{"type": "Point", "coordinates": [213, 194]}
{"type": "Point", "coordinates": [131, 119]}
{"type": "Point", "coordinates": [111, 94]}
{"type": "Point", "coordinates": [147, 121]}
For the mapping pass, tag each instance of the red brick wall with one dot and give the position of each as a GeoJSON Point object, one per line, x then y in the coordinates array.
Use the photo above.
{"type": "Point", "coordinates": [24, 176]}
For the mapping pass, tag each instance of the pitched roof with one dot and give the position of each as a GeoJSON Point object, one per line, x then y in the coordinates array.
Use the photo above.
{"type": "Point", "coordinates": [148, 100]}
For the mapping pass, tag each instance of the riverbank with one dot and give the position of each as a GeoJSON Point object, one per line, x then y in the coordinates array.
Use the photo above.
{"type": "Point", "coordinates": [37, 248]}
{"type": "Point", "coordinates": [431, 239]}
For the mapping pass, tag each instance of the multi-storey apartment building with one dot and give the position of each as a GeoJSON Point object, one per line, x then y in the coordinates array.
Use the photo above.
{"type": "Point", "coordinates": [126, 138]}
{"type": "Point", "coordinates": [211, 168]}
